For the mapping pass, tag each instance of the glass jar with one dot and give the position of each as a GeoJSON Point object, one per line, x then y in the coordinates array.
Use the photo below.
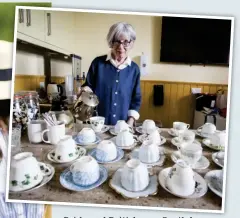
{"type": "Point", "coordinates": [19, 112]}
{"type": "Point", "coordinates": [32, 103]}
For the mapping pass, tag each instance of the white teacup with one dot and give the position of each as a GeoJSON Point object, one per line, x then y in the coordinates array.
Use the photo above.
{"type": "Point", "coordinates": [106, 151]}
{"type": "Point", "coordinates": [180, 126]}
{"type": "Point", "coordinates": [85, 171]}
{"type": "Point", "coordinates": [65, 150]}
{"type": "Point", "coordinates": [155, 137]}
{"type": "Point", "coordinates": [218, 139]}
{"type": "Point", "coordinates": [134, 176]}
{"type": "Point", "coordinates": [35, 128]}
{"type": "Point", "coordinates": [180, 179]}
{"type": "Point", "coordinates": [97, 123]}
{"type": "Point", "coordinates": [148, 126]}
{"type": "Point", "coordinates": [191, 152]}
{"type": "Point", "coordinates": [149, 152]}
{"type": "Point", "coordinates": [125, 139]}
{"type": "Point", "coordinates": [55, 133]}
{"type": "Point", "coordinates": [121, 125]}
{"type": "Point", "coordinates": [188, 136]}
{"type": "Point", "coordinates": [87, 135]}
{"type": "Point", "coordinates": [26, 172]}
{"type": "Point", "coordinates": [208, 128]}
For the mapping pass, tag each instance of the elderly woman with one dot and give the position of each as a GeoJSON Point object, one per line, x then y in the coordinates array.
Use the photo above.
{"type": "Point", "coordinates": [115, 78]}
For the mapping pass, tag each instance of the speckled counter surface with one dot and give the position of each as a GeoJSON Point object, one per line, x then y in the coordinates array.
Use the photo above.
{"type": "Point", "coordinates": [54, 192]}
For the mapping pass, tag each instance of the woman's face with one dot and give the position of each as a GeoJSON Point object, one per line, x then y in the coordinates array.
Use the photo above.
{"type": "Point", "coordinates": [122, 46]}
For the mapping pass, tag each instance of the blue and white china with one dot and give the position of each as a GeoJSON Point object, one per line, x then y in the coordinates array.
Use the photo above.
{"type": "Point", "coordinates": [150, 189]}
{"type": "Point", "coordinates": [200, 184]}
{"type": "Point", "coordinates": [85, 171]}
{"type": "Point", "coordinates": [135, 176]}
{"type": "Point", "coordinates": [202, 163]}
{"type": "Point", "coordinates": [78, 140]}
{"type": "Point", "coordinates": [26, 172]}
{"type": "Point", "coordinates": [218, 158]}
{"type": "Point", "coordinates": [97, 123]}
{"type": "Point", "coordinates": [79, 152]}
{"type": "Point", "coordinates": [214, 180]}
{"type": "Point", "coordinates": [135, 155]}
{"type": "Point", "coordinates": [106, 151]}
{"type": "Point", "coordinates": [49, 172]}
{"type": "Point", "coordinates": [87, 135]}
{"type": "Point", "coordinates": [66, 180]}
{"type": "Point", "coordinates": [101, 158]}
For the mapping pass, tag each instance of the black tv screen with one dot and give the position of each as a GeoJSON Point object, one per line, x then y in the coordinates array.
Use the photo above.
{"type": "Point", "coordinates": [195, 40]}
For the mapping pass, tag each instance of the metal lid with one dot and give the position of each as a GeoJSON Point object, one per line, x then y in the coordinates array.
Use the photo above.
{"type": "Point", "coordinates": [89, 99]}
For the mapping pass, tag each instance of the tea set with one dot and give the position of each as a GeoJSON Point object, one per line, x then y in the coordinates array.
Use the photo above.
{"type": "Point", "coordinates": [133, 180]}
{"type": "Point", "coordinates": [27, 174]}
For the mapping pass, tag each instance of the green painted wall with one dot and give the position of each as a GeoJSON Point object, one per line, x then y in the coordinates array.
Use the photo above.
{"type": "Point", "coordinates": [7, 18]}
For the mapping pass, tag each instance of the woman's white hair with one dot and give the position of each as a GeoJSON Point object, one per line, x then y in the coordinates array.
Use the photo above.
{"type": "Point", "coordinates": [119, 29]}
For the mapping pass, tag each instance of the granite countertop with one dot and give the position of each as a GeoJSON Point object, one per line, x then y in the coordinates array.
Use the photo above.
{"type": "Point", "coordinates": [55, 192]}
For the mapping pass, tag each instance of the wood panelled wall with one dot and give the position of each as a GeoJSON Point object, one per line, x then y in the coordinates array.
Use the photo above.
{"type": "Point", "coordinates": [178, 101]}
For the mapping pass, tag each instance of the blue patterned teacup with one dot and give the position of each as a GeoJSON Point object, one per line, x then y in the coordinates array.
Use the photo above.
{"type": "Point", "coordinates": [85, 171]}
{"type": "Point", "coordinates": [106, 151]}
{"type": "Point", "coordinates": [87, 135]}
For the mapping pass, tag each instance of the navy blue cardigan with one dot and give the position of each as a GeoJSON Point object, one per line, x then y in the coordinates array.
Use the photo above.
{"type": "Point", "coordinates": [118, 90]}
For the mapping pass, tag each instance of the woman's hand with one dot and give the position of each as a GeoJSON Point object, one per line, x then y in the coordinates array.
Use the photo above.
{"type": "Point", "coordinates": [3, 126]}
{"type": "Point", "coordinates": [131, 121]}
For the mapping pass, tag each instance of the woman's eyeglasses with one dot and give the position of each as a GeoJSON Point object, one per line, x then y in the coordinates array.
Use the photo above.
{"type": "Point", "coordinates": [124, 43]}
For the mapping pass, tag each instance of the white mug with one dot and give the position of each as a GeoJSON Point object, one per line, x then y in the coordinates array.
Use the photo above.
{"type": "Point", "coordinates": [35, 128]}
{"type": "Point", "coordinates": [55, 133]}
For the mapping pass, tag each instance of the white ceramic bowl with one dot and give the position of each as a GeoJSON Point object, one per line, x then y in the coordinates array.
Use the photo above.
{"type": "Point", "coordinates": [85, 171]}
{"type": "Point", "coordinates": [25, 172]}
{"type": "Point", "coordinates": [106, 151]}
{"type": "Point", "coordinates": [124, 139]}
{"type": "Point", "coordinates": [148, 126]}
{"type": "Point", "coordinates": [149, 152]}
{"type": "Point", "coordinates": [97, 123]}
{"type": "Point", "coordinates": [134, 176]}
{"type": "Point", "coordinates": [181, 179]}
{"type": "Point", "coordinates": [87, 135]}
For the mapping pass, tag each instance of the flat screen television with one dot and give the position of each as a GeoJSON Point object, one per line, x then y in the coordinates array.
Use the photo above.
{"type": "Point", "coordinates": [195, 40]}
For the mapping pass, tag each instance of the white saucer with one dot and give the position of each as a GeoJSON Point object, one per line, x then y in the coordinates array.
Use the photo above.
{"type": "Point", "coordinates": [139, 129]}
{"type": "Point", "coordinates": [45, 180]}
{"type": "Point", "coordinates": [176, 143]}
{"type": "Point", "coordinates": [202, 164]}
{"type": "Point", "coordinates": [67, 182]}
{"type": "Point", "coordinates": [207, 142]}
{"type": "Point", "coordinates": [170, 132]}
{"type": "Point", "coordinates": [79, 153]}
{"type": "Point", "coordinates": [213, 180]}
{"type": "Point", "coordinates": [142, 137]}
{"type": "Point", "coordinates": [79, 142]}
{"type": "Point", "coordinates": [217, 160]}
{"type": "Point", "coordinates": [115, 184]}
{"type": "Point", "coordinates": [160, 162]}
{"type": "Point", "coordinates": [104, 129]}
{"type": "Point", "coordinates": [204, 135]}
{"type": "Point", "coordinates": [124, 147]}
{"type": "Point", "coordinates": [200, 188]}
